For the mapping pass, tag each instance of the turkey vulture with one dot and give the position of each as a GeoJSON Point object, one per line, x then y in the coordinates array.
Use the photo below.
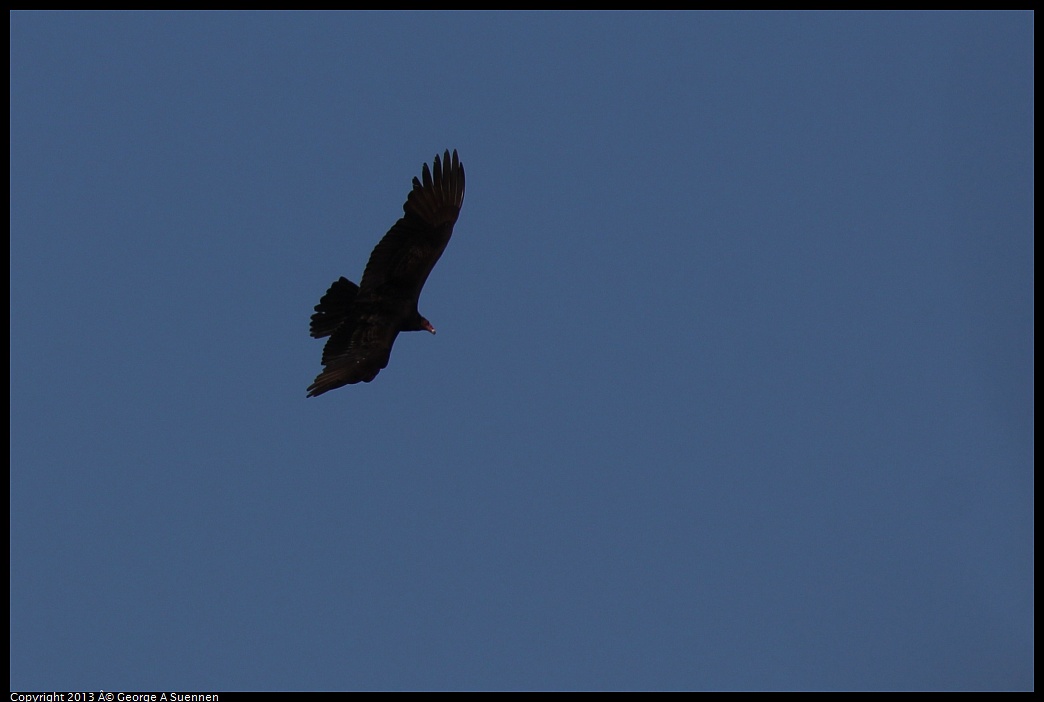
{"type": "Point", "coordinates": [363, 320]}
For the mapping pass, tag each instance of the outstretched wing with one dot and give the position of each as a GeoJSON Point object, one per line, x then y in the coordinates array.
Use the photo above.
{"type": "Point", "coordinates": [357, 351]}
{"type": "Point", "coordinates": [401, 262]}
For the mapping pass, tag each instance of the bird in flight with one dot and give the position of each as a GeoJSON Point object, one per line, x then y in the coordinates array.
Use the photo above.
{"type": "Point", "coordinates": [363, 320]}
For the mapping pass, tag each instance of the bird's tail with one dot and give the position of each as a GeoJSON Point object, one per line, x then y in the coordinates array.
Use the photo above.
{"type": "Point", "coordinates": [333, 307]}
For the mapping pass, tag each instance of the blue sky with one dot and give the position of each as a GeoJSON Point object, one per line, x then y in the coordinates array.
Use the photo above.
{"type": "Point", "coordinates": [733, 384]}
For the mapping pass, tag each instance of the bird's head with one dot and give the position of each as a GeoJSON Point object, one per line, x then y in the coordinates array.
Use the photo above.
{"type": "Point", "coordinates": [417, 323]}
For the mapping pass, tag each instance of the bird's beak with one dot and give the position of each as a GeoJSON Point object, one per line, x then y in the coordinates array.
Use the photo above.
{"type": "Point", "coordinates": [427, 325]}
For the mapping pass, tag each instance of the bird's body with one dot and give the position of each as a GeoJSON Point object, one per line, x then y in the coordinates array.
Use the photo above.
{"type": "Point", "coordinates": [363, 320]}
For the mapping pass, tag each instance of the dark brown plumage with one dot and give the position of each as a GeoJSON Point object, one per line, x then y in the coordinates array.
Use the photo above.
{"type": "Point", "coordinates": [363, 320]}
